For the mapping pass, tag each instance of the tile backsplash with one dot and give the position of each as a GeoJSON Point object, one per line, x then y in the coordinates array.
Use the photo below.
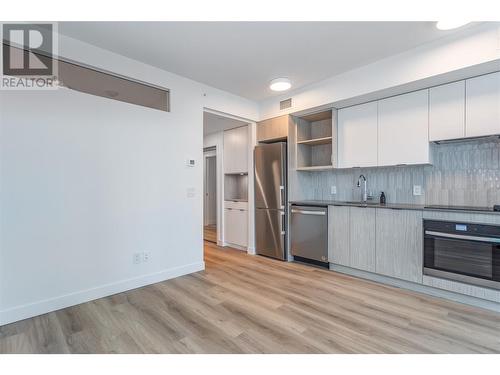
{"type": "Point", "coordinates": [464, 173]}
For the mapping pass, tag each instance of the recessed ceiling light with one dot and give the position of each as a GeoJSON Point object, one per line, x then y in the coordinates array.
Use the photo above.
{"type": "Point", "coordinates": [450, 24]}
{"type": "Point", "coordinates": [280, 84]}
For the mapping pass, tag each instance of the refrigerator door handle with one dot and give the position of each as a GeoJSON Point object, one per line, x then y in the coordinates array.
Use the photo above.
{"type": "Point", "coordinates": [283, 223]}
{"type": "Point", "coordinates": [282, 193]}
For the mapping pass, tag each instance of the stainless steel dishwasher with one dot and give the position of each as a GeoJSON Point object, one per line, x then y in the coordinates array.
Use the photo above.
{"type": "Point", "coordinates": [309, 234]}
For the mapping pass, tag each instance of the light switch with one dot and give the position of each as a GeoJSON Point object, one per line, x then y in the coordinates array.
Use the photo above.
{"type": "Point", "coordinates": [333, 190]}
{"type": "Point", "coordinates": [417, 190]}
{"type": "Point", "coordinates": [190, 192]}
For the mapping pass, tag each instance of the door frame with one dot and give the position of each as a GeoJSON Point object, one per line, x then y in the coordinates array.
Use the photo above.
{"type": "Point", "coordinates": [219, 145]}
{"type": "Point", "coordinates": [212, 153]}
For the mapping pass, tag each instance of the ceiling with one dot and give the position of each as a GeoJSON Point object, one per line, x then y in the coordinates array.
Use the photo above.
{"type": "Point", "coordinates": [213, 123]}
{"type": "Point", "coordinates": [242, 57]}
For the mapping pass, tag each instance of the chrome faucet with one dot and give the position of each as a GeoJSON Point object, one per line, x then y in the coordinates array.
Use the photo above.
{"type": "Point", "coordinates": [364, 195]}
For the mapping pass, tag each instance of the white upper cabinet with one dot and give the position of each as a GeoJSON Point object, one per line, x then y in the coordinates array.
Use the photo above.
{"type": "Point", "coordinates": [447, 111]}
{"type": "Point", "coordinates": [236, 150]}
{"type": "Point", "coordinates": [357, 136]}
{"type": "Point", "coordinates": [483, 105]}
{"type": "Point", "coordinates": [403, 129]}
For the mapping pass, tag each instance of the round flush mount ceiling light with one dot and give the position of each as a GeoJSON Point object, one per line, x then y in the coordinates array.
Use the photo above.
{"type": "Point", "coordinates": [280, 84]}
{"type": "Point", "coordinates": [450, 24]}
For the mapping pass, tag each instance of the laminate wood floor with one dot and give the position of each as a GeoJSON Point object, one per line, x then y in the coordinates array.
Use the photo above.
{"type": "Point", "coordinates": [251, 304]}
{"type": "Point", "coordinates": [210, 233]}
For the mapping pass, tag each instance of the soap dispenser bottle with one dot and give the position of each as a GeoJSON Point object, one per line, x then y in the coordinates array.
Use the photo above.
{"type": "Point", "coordinates": [382, 198]}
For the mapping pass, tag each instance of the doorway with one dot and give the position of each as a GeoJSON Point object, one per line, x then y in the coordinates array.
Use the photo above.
{"type": "Point", "coordinates": [210, 195]}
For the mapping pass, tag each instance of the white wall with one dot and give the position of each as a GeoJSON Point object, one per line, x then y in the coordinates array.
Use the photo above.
{"type": "Point", "coordinates": [473, 51]}
{"type": "Point", "coordinates": [87, 181]}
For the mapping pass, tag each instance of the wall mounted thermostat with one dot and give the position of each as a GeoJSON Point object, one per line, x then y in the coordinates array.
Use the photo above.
{"type": "Point", "coordinates": [190, 162]}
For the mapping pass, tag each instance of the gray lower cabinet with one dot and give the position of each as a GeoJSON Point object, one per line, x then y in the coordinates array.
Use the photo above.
{"type": "Point", "coordinates": [338, 235]}
{"type": "Point", "coordinates": [362, 238]}
{"type": "Point", "coordinates": [399, 244]}
{"type": "Point", "coordinates": [351, 241]}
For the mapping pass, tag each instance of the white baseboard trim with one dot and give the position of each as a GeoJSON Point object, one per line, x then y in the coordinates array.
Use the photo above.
{"type": "Point", "coordinates": [234, 246]}
{"type": "Point", "coordinates": [45, 306]}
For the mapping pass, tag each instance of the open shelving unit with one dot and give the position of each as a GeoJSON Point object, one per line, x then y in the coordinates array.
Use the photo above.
{"type": "Point", "coordinates": [314, 142]}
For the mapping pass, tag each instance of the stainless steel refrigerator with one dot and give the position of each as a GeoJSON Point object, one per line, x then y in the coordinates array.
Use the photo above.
{"type": "Point", "coordinates": [270, 200]}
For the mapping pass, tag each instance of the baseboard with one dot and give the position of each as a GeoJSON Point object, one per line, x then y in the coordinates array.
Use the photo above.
{"type": "Point", "coordinates": [234, 246]}
{"type": "Point", "coordinates": [420, 288]}
{"type": "Point", "coordinates": [45, 306]}
{"type": "Point", "coordinates": [251, 250]}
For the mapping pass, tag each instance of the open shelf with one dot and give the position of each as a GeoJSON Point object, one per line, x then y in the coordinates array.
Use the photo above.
{"type": "Point", "coordinates": [316, 141]}
{"type": "Point", "coordinates": [236, 187]}
{"type": "Point", "coordinates": [314, 144]}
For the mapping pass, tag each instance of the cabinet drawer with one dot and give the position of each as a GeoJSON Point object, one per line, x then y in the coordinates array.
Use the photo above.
{"type": "Point", "coordinates": [236, 227]}
{"type": "Point", "coordinates": [236, 205]}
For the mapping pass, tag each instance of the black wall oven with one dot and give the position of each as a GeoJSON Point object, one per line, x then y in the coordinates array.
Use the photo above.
{"type": "Point", "coordinates": [464, 252]}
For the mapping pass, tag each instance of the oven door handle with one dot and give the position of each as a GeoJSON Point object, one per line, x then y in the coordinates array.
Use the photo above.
{"type": "Point", "coordinates": [463, 237]}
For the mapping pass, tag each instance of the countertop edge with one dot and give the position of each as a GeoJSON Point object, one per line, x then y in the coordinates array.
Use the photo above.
{"type": "Point", "coordinates": [394, 206]}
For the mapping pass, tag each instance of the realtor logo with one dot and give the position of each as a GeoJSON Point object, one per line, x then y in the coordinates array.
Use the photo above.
{"type": "Point", "coordinates": [27, 56]}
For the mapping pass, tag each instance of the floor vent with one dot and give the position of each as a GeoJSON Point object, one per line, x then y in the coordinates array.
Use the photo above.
{"type": "Point", "coordinates": [287, 103]}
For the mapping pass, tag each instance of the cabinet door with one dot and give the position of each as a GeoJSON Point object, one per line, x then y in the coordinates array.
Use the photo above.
{"type": "Point", "coordinates": [236, 150]}
{"type": "Point", "coordinates": [447, 111]}
{"type": "Point", "coordinates": [362, 238]}
{"type": "Point", "coordinates": [357, 136]}
{"type": "Point", "coordinates": [338, 235]}
{"type": "Point", "coordinates": [273, 129]}
{"type": "Point", "coordinates": [399, 244]}
{"type": "Point", "coordinates": [236, 227]}
{"type": "Point", "coordinates": [403, 129]}
{"type": "Point", "coordinates": [483, 105]}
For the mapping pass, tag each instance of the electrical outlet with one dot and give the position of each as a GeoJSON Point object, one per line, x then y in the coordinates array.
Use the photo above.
{"type": "Point", "coordinates": [417, 190]}
{"type": "Point", "coordinates": [136, 259]}
{"type": "Point", "coordinates": [190, 192]}
{"type": "Point", "coordinates": [146, 256]}
{"type": "Point", "coordinates": [333, 190]}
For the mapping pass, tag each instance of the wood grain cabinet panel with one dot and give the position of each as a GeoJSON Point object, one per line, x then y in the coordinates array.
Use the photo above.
{"type": "Point", "coordinates": [273, 129]}
{"type": "Point", "coordinates": [399, 244]}
{"type": "Point", "coordinates": [338, 235]}
{"type": "Point", "coordinates": [362, 238]}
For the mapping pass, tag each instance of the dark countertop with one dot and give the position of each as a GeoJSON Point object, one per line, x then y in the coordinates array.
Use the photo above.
{"type": "Point", "coordinates": [395, 206]}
